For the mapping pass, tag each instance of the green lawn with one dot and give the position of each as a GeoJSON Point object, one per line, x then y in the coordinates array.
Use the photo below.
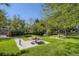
{"type": "Point", "coordinates": [55, 48]}
{"type": "Point", "coordinates": [8, 47]}
{"type": "Point", "coordinates": [67, 47]}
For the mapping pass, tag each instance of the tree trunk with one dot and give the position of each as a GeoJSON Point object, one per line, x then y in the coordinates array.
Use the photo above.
{"type": "Point", "coordinates": [65, 32]}
{"type": "Point", "coordinates": [58, 33]}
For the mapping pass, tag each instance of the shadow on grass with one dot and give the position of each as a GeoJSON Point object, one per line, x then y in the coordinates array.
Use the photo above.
{"type": "Point", "coordinates": [74, 37]}
{"type": "Point", "coordinates": [19, 53]}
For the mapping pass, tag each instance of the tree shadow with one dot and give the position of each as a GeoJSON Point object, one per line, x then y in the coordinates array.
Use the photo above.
{"type": "Point", "coordinates": [73, 37]}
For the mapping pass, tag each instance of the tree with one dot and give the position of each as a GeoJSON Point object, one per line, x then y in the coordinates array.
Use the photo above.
{"type": "Point", "coordinates": [62, 16]}
{"type": "Point", "coordinates": [38, 29]}
{"type": "Point", "coordinates": [37, 20]}
{"type": "Point", "coordinates": [17, 24]}
{"type": "Point", "coordinates": [3, 18]}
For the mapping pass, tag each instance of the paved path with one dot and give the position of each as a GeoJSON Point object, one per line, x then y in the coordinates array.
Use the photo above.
{"type": "Point", "coordinates": [4, 36]}
{"type": "Point", "coordinates": [25, 44]}
{"type": "Point", "coordinates": [17, 42]}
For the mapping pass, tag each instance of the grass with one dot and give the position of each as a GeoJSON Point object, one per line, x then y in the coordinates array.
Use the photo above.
{"type": "Point", "coordinates": [54, 48]}
{"type": "Point", "coordinates": [67, 47]}
{"type": "Point", "coordinates": [72, 40]}
{"type": "Point", "coordinates": [8, 47]}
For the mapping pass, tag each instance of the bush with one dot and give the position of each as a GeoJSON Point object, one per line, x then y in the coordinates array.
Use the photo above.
{"type": "Point", "coordinates": [15, 33]}
{"type": "Point", "coordinates": [28, 35]}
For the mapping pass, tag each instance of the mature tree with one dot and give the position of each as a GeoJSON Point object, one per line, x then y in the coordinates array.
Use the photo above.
{"type": "Point", "coordinates": [37, 20]}
{"type": "Point", "coordinates": [3, 18]}
{"type": "Point", "coordinates": [17, 23]}
{"type": "Point", "coordinates": [62, 16]}
{"type": "Point", "coordinates": [38, 29]}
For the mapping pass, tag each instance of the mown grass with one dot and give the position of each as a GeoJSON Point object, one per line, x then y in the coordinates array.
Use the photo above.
{"type": "Point", "coordinates": [54, 48]}
{"type": "Point", "coordinates": [67, 47]}
{"type": "Point", "coordinates": [8, 47]}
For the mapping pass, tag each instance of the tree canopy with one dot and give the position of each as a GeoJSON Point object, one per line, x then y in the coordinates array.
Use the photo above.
{"type": "Point", "coordinates": [62, 16]}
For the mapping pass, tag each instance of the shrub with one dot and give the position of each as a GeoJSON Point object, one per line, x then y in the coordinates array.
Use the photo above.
{"type": "Point", "coordinates": [16, 33]}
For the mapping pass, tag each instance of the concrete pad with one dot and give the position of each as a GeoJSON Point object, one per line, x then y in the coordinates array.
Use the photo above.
{"type": "Point", "coordinates": [26, 44]}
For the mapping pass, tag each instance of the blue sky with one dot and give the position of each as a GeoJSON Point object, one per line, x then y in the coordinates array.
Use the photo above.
{"type": "Point", "coordinates": [25, 10]}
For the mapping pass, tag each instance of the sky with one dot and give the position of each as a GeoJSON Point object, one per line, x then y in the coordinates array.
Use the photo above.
{"type": "Point", "coordinates": [25, 10]}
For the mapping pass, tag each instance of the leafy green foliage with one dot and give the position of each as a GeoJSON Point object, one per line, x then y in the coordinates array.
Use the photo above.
{"type": "Point", "coordinates": [38, 29]}
{"type": "Point", "coordinates": [62, 16]}
{"type": "Point", "coordinates": [3, 19]}
{"type": "Point", "coordinates": [16, 24]}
